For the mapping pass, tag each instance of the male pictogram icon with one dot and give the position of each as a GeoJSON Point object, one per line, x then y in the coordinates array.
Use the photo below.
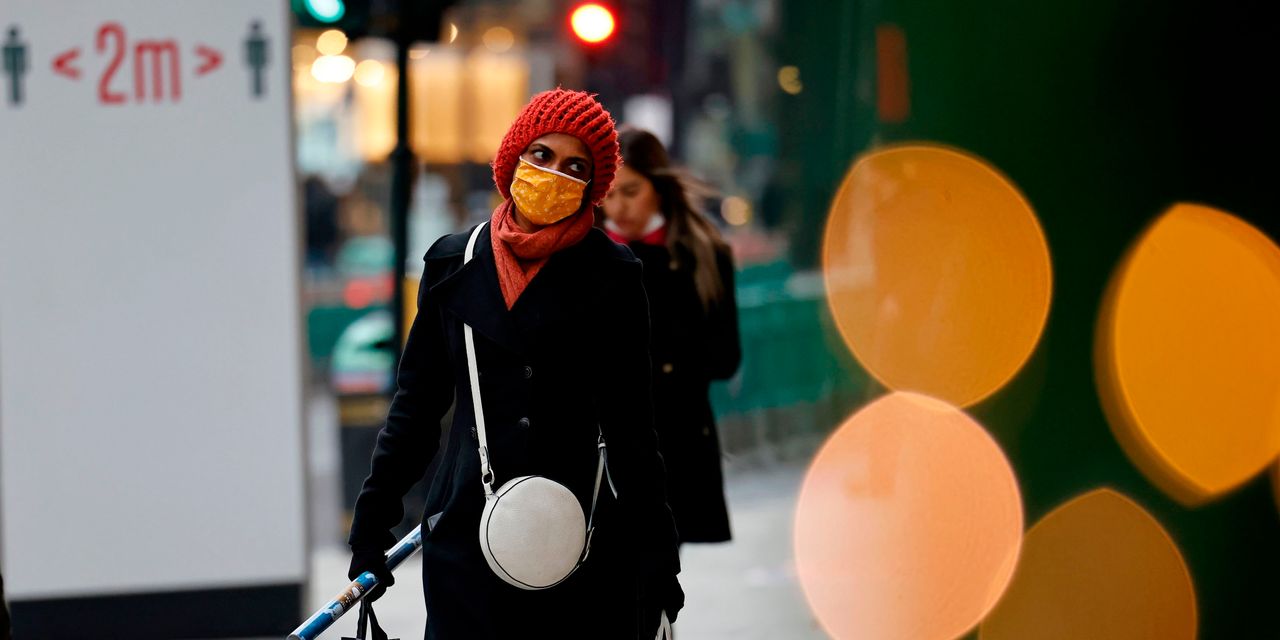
{"type": "Point", "coordinates": [256, 58]}
{"type": "Point", "coordinates": [15, 65]}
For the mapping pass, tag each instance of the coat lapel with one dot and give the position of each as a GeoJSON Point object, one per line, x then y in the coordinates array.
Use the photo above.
{"type": "Point", "coordinates": [561, 294]}
{"type": "Point", "coordinates": [473, 295]}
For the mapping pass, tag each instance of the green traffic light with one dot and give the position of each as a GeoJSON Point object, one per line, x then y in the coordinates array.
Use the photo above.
{"type": "Point", "coordinates": [326, 10]}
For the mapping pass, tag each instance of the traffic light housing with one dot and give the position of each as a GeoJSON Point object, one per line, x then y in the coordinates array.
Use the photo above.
{"type": "Point", "coordinates": [425, 18]}
{"type": "Point", "coordinates": [349, 16]}
{"type": "Point", "coordinates": [324, 11]}
{"type": "Point", "coordinates": [379, 18]}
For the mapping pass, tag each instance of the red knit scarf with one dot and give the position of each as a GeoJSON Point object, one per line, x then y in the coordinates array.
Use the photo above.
{"type": "Point", "coordinates": [519, 255]}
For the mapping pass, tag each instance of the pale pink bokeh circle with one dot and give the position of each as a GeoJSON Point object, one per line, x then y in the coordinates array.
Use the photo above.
{"type": "Point", "coordinates": [908, 524]}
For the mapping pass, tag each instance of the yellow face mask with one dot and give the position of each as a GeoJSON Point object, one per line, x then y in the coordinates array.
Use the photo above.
{"type": "Point", "coordinates": [545, 196]}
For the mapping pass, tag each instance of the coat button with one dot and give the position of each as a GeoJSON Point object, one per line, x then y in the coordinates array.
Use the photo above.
{"type": "Point", "coordinates": [706, 431]}
{"type": "Point", "coordinates": [524, 423]}
{"type": "Point", "coordinates": [667, 367]}
{"type": "Point", "coordinates": [528, 372]}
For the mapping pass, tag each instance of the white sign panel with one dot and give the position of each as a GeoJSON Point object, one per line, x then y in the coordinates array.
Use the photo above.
{"type": "Point", "coordinates": [150, 349]}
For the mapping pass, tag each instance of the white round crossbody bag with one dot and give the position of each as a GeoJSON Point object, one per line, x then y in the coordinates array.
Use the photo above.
{"type": "Point", "coordinates": [533, 532]}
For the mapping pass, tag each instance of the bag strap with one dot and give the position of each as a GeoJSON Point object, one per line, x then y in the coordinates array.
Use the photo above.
{"type": "Point", "coordinates": [473, 374]}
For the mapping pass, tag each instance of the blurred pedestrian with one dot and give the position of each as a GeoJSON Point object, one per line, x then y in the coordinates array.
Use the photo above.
{"type": "Point", "coordinates": [545, 294]}
{"type": "Point", "coordinates": [320, 207]}
{"type": "Point", "coordinates": [688, 274]}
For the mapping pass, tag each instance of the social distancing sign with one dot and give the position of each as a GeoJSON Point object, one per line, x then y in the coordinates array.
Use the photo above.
{"type": "Point", "coordinates": [150, 344]}
{"type": "Point", "coordinates": [126, 68]}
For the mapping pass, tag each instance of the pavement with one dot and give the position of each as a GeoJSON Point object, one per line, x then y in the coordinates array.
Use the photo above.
{"type": "Point", "coordinates": [742, 590]}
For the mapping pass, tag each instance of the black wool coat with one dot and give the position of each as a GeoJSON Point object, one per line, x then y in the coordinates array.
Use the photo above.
{"type": "Point", "coordinates": [547, 380]}
{"type": "Point", "coordinates": [691, 346]}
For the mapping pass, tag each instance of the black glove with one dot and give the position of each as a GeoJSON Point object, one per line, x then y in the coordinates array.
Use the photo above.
{"type": "Point", "coordinates": [662, 593]}
{"type": "Point", "coordinates": [374, 562]}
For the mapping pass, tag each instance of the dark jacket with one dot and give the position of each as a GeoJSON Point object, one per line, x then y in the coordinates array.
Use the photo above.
{"type": "Point", "coordinates": [547, 381]}
{"type": "Point", "coordinates": [691, 346]}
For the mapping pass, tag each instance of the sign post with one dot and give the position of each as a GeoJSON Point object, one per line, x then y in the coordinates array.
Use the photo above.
{"type": "Point", "coordinates": [151, 429]}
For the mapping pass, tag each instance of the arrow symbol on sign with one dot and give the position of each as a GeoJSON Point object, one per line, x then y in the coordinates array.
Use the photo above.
{"type": "Point", "coordinates": [212, 59]}
{"type": "Point", "coordinates": [61, 64]}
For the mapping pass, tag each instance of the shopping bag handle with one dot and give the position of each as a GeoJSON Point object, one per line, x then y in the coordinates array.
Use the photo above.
{"type": "Point", "coordinates": [368, 619]}
{"type": "Point", "coordinates": [664, 628]}
{"type": "Point", "coordinates": [364, 583]}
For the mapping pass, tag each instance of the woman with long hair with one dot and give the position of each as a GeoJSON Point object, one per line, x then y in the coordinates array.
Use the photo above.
{"type": "Point", "coordinates": [513, 308]}
{"type": "Point", "coordinates": [688, 274]}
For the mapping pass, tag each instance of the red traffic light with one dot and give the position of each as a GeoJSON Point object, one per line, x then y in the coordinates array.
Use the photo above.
{"type": "Point", "coordinates": [592, 23]}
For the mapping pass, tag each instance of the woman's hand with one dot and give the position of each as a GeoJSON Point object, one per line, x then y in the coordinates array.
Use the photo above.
{"type": "Point", "coordinates": [374, 562]}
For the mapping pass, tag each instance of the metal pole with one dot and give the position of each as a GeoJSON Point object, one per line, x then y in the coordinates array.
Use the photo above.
{"type": "Point", "coordinates": [403, 171]}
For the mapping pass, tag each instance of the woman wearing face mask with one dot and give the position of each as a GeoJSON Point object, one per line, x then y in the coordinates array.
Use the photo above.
{"type": "Point", "coordinates": [688, 274]}
{"type": "Point", "coordinates": [540, 279]}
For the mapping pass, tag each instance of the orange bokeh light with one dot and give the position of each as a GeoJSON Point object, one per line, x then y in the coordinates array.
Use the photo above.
{"type": "Point", "coordinates": [1098, 567]}
{"type": "Point", "coordinates": [1188, 353]}
{"type": "Point", "coordinates": [908, 523]}
{"type": "Point", "coordinates": [592, 23]}
{"type": "Point", "coordinates": [937, 272]}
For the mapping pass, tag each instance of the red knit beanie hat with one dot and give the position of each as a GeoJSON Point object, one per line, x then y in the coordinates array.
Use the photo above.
{"type": "Point", "coordinates": [576, 113]}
